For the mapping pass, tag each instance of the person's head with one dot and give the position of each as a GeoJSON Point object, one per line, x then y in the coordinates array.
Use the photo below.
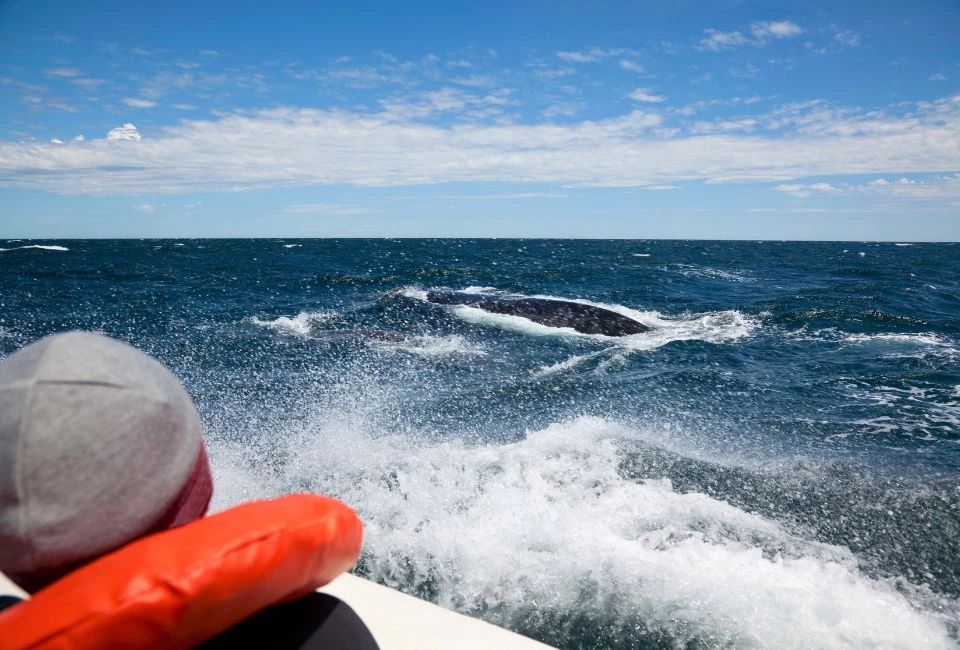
{"type": "Point", "coordinates": [99, 445]}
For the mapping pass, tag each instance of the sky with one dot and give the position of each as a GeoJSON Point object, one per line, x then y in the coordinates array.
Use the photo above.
{"type": "Point", "coordinates": [807, 120]}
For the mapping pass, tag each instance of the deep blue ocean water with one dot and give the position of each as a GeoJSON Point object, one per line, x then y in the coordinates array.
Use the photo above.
{"type": "Point", "coordinates": [776, 464]}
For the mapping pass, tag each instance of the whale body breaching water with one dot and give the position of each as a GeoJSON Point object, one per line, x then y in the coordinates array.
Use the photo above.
{"type": "Point", "coordinates": [586, 319]}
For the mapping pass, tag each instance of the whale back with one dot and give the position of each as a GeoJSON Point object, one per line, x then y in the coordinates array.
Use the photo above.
{"type": "Point", "coordinates": [586, 319]}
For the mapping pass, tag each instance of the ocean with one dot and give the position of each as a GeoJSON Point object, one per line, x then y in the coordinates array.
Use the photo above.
{"type": "Point", "coordinates": [776, 464]}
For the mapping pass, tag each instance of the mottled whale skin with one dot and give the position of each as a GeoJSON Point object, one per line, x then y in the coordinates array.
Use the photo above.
{"type": "Point", "coordinates": [586, 319]}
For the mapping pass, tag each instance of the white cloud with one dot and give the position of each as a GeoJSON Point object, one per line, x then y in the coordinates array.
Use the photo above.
{"type": "Point", "coordinates": [138, 103]}
{"type": "Point", "coordinates": [761, 33]}
{"type": "Point", "coordinates": [62, 72]}
{"type": "Point", "coordinates": [749, 71]}
{"type": "Point", "coordinates": [445, 100]}
{"type": "Point", "coordinates": [126, 132]}
{"type": "Point", "coordinates": [474, 81]}
{"type": "Point", "coordinates": [562, 110]}
{"type": "Point", "coordinates": [847, 38]}
{"type": "Point", "coordinates": [590, 56]}
{"type": "Point", "coordinates": [794, 189]}
{"type": "Point", "coordinates": [79, 138]}
{"type": "Point", "coordinates": [646, 95]}
{"type": "Point", "coordinates": [291, 147]}
{"type": "Point", "coordinates": [510, 196]}
{"type": "Point", "coordinates": [554, 73]}
{"type": "Point", "coordinates": [933, 188]}
{"type": "Point", "coordinates": [937, 77]}
{"type": "Point", "coordinates": [164, 83]}
{"type": "Point", "coordinates": [716, 40]}
{"type": "Point", "coordinates": [575, 57]}
{"type": "Point", "coordinates": [725, 126]}
{"type": "Point", "coordinates": [145, 208]}
{"type": "Point", "coordinates": [56, 141]}
{"type": "Point", "coordinates": [211, 53]}
{"type": "Point", "coordinates": [86, 82]}
{"type": "Point", "coordinates": [61, 105]}
{"type": "Point", "coordinates": [765, 31]}
{"type": "Point", "coordinates": [632, 66]}
{"type": "Point", "coordinates": [662, 188]}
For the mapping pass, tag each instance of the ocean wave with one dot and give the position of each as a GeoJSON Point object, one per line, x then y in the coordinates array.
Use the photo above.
{"type": "Point", "coordinates": [568, 364]}
{"type": "Point", "coordinates": [303, 324]}
{"type": "Point", "coordinates": [545, 535]}
{"type": "Point", "coordinates": [927, 413]}
{"type": "Point", "coordinates": [908, 346]}
{"type": "Point", "coordinates": [36, 246]}
{"type": "Point", "coordinates": [914, 345]}
{"type": "Point", "coordinates": [695, 271]}
{"type": "Point", "coordinates": [919, 338]}
{"type": "Point", "coordinates": [417, 293]}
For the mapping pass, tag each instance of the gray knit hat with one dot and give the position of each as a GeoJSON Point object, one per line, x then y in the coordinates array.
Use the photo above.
{"type": "Point", "coordinates": [99, 444]}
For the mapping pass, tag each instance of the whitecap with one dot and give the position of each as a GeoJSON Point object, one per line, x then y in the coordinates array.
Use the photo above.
{"type": "Point", "coordinates": [301, 325]}
{"type": "Point", "coordinates": [692, 270]}
{"type": "Point", "coordinates": [568, 364]}
{"type": "Point", "coordinates": [36, 246]}
{"type": "Point", "coordinates": [413, 292]}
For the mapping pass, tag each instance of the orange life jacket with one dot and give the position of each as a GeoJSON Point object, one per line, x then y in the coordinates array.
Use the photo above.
{"type": "Point", "coordinates": [181, 587]}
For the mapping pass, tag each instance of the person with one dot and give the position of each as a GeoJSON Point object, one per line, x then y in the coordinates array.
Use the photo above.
{"type": "Point", "coordinates": [100, 445]}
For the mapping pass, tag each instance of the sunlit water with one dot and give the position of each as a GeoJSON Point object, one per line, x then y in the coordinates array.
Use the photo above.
{"type": "Point", "coordinates": [775, 464]}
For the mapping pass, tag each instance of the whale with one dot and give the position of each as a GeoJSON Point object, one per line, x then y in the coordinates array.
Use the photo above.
{"type": "Point", "coordinates": [586, 319]}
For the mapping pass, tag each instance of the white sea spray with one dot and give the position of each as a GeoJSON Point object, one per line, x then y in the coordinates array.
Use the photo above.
{"type": "Point", "coordinates": [550, 520]}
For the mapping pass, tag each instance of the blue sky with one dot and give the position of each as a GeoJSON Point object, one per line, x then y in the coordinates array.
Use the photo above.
{"type": "Point", "coordinates": [719, 120]}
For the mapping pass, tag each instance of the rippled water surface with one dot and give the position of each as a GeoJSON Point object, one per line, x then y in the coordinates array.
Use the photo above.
{"type": "Point", "coordinates": [775, 464]}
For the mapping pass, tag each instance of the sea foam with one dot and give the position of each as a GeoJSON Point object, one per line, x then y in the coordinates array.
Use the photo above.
{"type": "Point", "coordinates": [303, 324]}
{"type": "Point", "coordinates": [546, 533]}
{"type": "Point", "coordinates": [36, 246]}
